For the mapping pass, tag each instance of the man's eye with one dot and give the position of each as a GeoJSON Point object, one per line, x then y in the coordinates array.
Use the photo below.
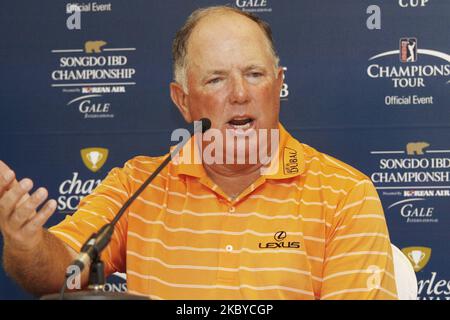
{"type": "Point", "coordinates": [256, 74]}
{"type": "Point", "coordinates": [214, 80]}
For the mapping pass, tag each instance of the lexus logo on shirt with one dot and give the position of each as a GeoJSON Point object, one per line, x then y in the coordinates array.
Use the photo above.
{"type": "Point", "coordinates": [279, 237]}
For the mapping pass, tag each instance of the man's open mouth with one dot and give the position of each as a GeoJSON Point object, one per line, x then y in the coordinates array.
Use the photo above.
{"type": "Point", "coordinates": [242, 123]}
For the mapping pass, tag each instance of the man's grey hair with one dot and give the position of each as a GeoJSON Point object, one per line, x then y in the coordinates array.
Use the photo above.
{"type": "Point", "coordinates": [180, 42]}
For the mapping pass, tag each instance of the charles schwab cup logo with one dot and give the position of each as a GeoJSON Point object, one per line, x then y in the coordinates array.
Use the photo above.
{"type": "Point", "coordinates": [279, 237]}
{"type": "Point", "coordinates": [97, 71]}
{"type": "Point", "coordinates": [415, 68]}
{"type": "Point", "coordinates": [73, 189]}
{"type": "Point", "coordinates": [430, 285]}
{"type": "Point", "coordinates": [94, 158]}
{"type": "Point", "coordinates": [418, 256]}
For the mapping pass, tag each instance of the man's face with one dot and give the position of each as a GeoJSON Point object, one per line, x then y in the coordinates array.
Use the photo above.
{"type": "Point", "coordinates": [230, 76]}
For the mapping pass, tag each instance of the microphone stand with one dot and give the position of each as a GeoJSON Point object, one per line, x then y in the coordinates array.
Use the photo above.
{"type": "Point", "coordinates": [93, 247]}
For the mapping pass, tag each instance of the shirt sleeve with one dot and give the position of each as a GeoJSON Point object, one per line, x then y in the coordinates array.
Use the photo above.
{"type": "Point", "coordinates": [93, 212]}
{"type": "Point", "coordinates": [358, 262]}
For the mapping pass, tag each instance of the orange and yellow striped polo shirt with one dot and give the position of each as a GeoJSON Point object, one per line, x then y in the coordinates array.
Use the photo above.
{"type": "Point", "coordinates": [313, 230]}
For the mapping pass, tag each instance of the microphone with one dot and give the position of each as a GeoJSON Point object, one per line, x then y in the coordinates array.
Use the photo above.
{"type": "Point", "coordinates": [93, 247]}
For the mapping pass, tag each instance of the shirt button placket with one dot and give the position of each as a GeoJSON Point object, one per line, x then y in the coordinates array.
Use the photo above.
{"type": "Point", "coordinates": [227, 257]}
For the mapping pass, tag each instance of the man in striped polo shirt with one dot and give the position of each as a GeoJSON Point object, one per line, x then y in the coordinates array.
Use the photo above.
{"type": "Point", "coordinates": [311, 227]}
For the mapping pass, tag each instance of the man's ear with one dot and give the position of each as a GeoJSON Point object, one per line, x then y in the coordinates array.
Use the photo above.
{"type": "Point", "coordinates": [179, 97]}
{"type": "Point", "coordinates": [280, 78]}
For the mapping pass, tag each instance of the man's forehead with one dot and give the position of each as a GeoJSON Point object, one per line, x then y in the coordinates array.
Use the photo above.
{"type": "Point", "coordinates": [220, 18]}
{"type": "Point", "coordinates": [229, 26]}
{"type": "Point", "coordinates": [235, 37]}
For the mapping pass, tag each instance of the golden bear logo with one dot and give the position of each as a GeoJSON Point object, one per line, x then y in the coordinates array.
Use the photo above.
{"type": "Point", "coordinates": [416, 148]}
{"type": "Point", "coordinates": [94, 46]}
{"type": "Point", "coordinates": [94, 158]}
{"type": "Point", "coordinates": [418, 256]}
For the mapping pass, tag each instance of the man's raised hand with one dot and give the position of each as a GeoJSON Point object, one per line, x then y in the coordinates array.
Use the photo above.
{"type": "Point", "coordinates": [21, 223]}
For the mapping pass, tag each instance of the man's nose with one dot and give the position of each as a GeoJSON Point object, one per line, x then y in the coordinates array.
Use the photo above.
{"type": "Point", "coordinates": [239, 93]}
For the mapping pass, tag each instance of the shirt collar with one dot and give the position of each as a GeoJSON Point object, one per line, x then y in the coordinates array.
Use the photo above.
{"type": "Point", "coordinates": [290, 161]}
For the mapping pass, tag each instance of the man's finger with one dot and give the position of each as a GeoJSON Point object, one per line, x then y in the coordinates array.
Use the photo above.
{"type": "Point", "coordinates": [3, 167]}
{"type": "Point", "coordinates": [23, 199]}
{"type": "Point", "coordinates": [10, 199]}
{"type": "Point", "coordinates": [6, 180]}
{"type": "Point", "coordinates": [27, 210]}
{"type": "Point", "coordinates": [41, 217]}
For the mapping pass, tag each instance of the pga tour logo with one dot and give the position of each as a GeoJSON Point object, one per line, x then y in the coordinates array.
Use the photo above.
{"type": "Point", "coordinates": [408, 49]}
